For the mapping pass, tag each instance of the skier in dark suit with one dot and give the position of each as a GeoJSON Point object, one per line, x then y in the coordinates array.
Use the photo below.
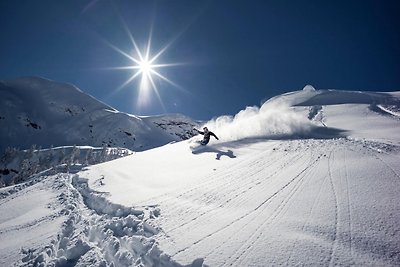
{"type": "Point", "coordinates": [207, 134]}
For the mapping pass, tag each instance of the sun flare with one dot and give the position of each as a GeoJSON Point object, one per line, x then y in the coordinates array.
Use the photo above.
{"type": "Point", "coordinates": [145, 66]}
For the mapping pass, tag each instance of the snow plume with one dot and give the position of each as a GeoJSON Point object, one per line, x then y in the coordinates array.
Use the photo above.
{"type": "Point", "coordinates": [274, 119]}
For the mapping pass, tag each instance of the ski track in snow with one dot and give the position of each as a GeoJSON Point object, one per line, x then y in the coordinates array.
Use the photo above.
{"type": "Point", "coordinates": [387, 165]}
{"type": "Point", "coordinates": [235, 190]}
{"type": "Point", "coordinates": [247, 247]}
{"type": "Point", "coordinates": [336, 209]}
{"type": "Point", "coordinates": [309, 214]}
{"type": "Point", "coordinates": [257, 182]}
{"type": "Point", "coordinates": [242, 189]}
{"type": "Point", "coordinates": [232, 195]}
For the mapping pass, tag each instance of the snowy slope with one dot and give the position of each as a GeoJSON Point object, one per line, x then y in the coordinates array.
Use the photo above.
{"type": "Point", "coordinates": [310, 178]}
{"type": "Point", "coordinates": [42, 112]}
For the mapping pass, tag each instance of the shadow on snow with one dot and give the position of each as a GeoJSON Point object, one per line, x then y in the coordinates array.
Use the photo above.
{"type": "Point", "coordinates": [211, 149]}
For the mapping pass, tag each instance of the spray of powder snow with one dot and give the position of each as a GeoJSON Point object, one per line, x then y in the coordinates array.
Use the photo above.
{"type": "Point", "coordinates": [274, 119]}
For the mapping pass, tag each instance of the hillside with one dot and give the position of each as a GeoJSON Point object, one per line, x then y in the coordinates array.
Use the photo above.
{"type": "Point", "coordinates": [309, 178]}
{"type": "Point", "coordinates": [37, 111]}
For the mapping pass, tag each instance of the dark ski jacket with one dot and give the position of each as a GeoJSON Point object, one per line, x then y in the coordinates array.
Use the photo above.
{"type": "Point", "coordinates": [207, 135]}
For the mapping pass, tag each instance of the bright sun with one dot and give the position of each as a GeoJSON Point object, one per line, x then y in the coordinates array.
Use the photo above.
{"type": "Point", "coordinates": [144, 66]}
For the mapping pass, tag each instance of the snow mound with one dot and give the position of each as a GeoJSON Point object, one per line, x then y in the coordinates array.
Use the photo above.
{"type": "Point", "coordinates": [309, 88]}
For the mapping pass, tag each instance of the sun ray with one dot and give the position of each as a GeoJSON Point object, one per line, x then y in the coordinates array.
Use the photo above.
{"type": "Point", "coordinates": [128, 81]}
{"type": "Point", "coordinates": [121, 52]}
{"type": "Point", "coordinates": [167, 65]}
{"type": "Point", "coordinates": [119, 68]}
{"type": "Point", "coordinates": [167, 80]}
{"type": "Point", "coordinates": [149, 44]}
{"type": "Point", "coordinates": [157, 92]}
{"type": "Point", "coordinates": [176, 37]}
{"type": "Point", "coordinates": [130, 36]}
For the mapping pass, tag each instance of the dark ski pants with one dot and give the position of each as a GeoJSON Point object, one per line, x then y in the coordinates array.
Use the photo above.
{"type": "Point", "coordinates": [204, 142]}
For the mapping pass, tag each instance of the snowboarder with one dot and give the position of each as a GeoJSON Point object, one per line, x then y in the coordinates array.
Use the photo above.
{"type": "Point", "coordinates": [206, 134]}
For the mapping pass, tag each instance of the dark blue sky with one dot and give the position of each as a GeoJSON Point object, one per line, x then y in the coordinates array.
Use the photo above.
{"type": "Point", "coordinates": [236, 53]}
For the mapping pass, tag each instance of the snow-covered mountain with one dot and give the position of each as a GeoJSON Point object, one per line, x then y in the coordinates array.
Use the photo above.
{"type": "Point", "coordinates": [37, 111]}
{"type": "Point", "coordinates": [310, 178]}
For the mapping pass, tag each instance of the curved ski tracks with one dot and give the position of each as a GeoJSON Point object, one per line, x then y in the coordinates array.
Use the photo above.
{"type": "Point", "coordinates": [244, 237]}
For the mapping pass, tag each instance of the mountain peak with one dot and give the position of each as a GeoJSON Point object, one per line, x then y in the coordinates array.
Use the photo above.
{"type": "Point", "coordinates": [39, 111]}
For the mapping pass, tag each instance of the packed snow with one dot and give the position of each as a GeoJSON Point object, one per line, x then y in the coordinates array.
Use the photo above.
{"type": "Point", "coordinates": [311, 177]}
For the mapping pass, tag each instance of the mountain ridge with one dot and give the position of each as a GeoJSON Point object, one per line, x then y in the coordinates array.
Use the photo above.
{"type": "Point", "coordinates": [41, 112]}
